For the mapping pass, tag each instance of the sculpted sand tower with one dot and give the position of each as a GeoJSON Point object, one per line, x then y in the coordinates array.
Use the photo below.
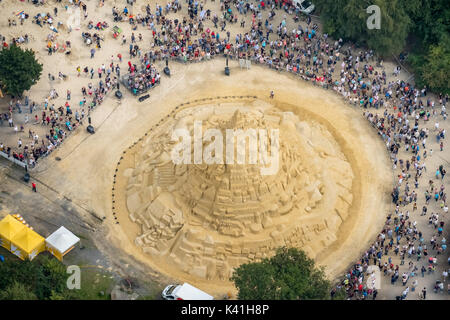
{"type": "Point", "coordinates": [205, 219]}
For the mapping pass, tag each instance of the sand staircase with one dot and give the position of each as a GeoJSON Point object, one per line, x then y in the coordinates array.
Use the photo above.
{"type": "Point", "coordinates": [165, 175]}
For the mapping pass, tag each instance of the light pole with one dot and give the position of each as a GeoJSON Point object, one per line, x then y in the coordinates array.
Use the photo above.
{"type": "Point", "coordinates": [227, 69]}
{"type": "Point", "coordinates": [166, 69]}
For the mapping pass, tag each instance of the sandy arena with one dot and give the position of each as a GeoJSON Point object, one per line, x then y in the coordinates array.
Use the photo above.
{"type": "Point", "coordinates": [90, 169]}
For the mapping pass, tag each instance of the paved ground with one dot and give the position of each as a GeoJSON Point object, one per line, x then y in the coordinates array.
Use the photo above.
{"type": "Point", "coordinates": [47, 210]}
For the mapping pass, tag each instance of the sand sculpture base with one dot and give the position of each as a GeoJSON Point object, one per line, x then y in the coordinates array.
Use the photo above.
{"type": "Point", "coordinates": [206, 219]}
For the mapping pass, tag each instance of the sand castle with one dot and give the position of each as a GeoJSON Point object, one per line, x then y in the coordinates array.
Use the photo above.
{"type": "Point", "coordinates": [205, 220]}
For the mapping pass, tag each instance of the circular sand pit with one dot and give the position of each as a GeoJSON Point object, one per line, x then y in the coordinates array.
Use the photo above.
{"type": "Point", "coordinates": [247, 177]}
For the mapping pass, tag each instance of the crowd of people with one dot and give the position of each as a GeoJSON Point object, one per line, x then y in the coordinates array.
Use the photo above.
{"type": "Point", "coordinates": [361, 79]}
{"type": "Point", "coordinates": [399, 111]}
{"type": "Point", "coordinates": [141, 81]}
{"type": "Point", "coordinates": [61, 120]}
{"type": "Point", "coordinates": [403, 128]}
{"type": "Point", "coordinates": [354, 75]}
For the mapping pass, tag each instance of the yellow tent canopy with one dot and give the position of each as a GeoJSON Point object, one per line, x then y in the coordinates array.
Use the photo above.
{"type": "Point", "coordinates": [9, 227]}
{"type": "Point", "coordinates": [27, 243]}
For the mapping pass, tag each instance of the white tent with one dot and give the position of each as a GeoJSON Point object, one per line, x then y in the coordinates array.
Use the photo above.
{"type": "Point", "coordinates": [61, 242]}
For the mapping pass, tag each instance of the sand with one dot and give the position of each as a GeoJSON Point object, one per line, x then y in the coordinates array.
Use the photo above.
{"type": "Point", "coordinates": [208, 218]}
{"type": "Point", "coordinates": [90, 169]}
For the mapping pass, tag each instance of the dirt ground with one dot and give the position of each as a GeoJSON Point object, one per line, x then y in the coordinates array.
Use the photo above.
{"type": "Point", "coordinates": [364, 150]}
{"type": "Point", "coordinates": [48, 209]}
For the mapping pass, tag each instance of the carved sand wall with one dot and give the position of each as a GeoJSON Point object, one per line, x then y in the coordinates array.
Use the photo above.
{"type": "Point", "coordinates": [206, 219]}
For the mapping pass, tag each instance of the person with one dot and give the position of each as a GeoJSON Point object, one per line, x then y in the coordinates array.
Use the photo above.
{"type": "Point", "coordinates": [374, 294]}
{"type": "Point", "coordinates": [333, 293]}
{"type": "Point", "coordinates": [405, 293]}
{"type": "Point", "coordinates": [33, 185]}
{"type": "Point", "coordinates": [271, 94]}
{"type": "Point", "coordinates": [424, 293]}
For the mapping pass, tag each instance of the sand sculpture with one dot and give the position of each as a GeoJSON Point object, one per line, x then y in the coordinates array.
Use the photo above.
{"type": "Point", "coordinates": [205, 220]}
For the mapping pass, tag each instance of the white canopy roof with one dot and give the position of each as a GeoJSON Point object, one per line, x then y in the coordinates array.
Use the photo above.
{"type": "Point", "coordinates": [62, 240]}
{"type": "Point", "coordinates": [189, 292]}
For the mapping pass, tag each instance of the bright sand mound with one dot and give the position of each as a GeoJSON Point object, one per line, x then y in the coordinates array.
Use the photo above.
{"type": "Point", "coordinates": [198, 221]}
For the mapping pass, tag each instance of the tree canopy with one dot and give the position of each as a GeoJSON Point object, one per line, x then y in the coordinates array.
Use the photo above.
{"type": "Point", "coordinates": [430, 43]}
{"type": "Point", "coordinates": [288, 275]}
{"type": "Point", "coordinates": [19, 70]}
{"type": "Point", "coordinates": [431, 19]}
{"type": "Point", "coordinates": [31, 279]}
{"type": "Point", "coordinates": [421, 26]}
{"type": "Point", "coordinates": [347, 19]}
{"type": "Point", "coordinates": [45, 278]}
{"type": "Point", "coordinates": [17, 291]}
{"type": "Point", "coordinates": [433, 67]}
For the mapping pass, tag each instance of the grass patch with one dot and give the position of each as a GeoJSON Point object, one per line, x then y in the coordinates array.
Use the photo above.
{"type": "Point", "coordinates": [96, 284]}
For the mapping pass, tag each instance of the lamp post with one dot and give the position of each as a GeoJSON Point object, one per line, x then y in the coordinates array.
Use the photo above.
{"type": "Point", "coordinates": [166, 68]}
{"type": "Point", "coordinates": [90, 128]}
{"type": "Point", "coordinates": [227, 69]}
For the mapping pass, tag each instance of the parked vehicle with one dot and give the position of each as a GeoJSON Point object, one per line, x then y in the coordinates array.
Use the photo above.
{"type": "Point", "coordinates": [184, 292]}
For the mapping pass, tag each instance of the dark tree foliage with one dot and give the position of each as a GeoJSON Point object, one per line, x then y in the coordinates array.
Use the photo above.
{"type": "Point", "coordinates": [289, 275]}
{"type": "Point", "coordinates": [431, 30]}
{"type": "Point", "coordinates": [17, 291]}
{"type": "Point", "coordinates": [347, 19]}
{"type": "Point", "coordinates": [19, 70]}
{"type": "Point", "coordinates": [45, 278]}
{"type": "Point", "coordinates": [38, 277]}
{"type": "Point", "coordinates": [432, 68]}
{"type": "Point", "coordinates": [431, 19]}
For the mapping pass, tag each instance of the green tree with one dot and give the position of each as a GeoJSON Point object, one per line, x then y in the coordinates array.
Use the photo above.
{"type": "Point", "coordinates": [51, 278]}
{"type": "Point", "coordinates": [432, 69]}
{"type": "Point", "coordinates": [45, 278]}
{"type": "Point", "coordinates": [19, 70]}
{"type": "Point", "coordinates": [288, 275]}
{"type": "Point", "coordinates": [347, 19]}
{"type": "Point", "coordinates": [391, 37]}
{"type": "Point", "coordinates": [431, 19]}
{"type": "Point", "coordinates": [40, 276]}
{"type": "Point", "coordinates": [57, 296]}
{"type": "Point", "coordinates": [17, 270]}
{"type": "Point", "coordinates": [17, 291]}
{"type": "Point", "coordinates": [430, 42]}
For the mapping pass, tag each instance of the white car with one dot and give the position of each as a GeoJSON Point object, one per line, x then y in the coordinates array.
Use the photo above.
{"type": "Point", "coordinates": [184, 292]}
{"type": "Point", "coordinates": [304, 6]}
